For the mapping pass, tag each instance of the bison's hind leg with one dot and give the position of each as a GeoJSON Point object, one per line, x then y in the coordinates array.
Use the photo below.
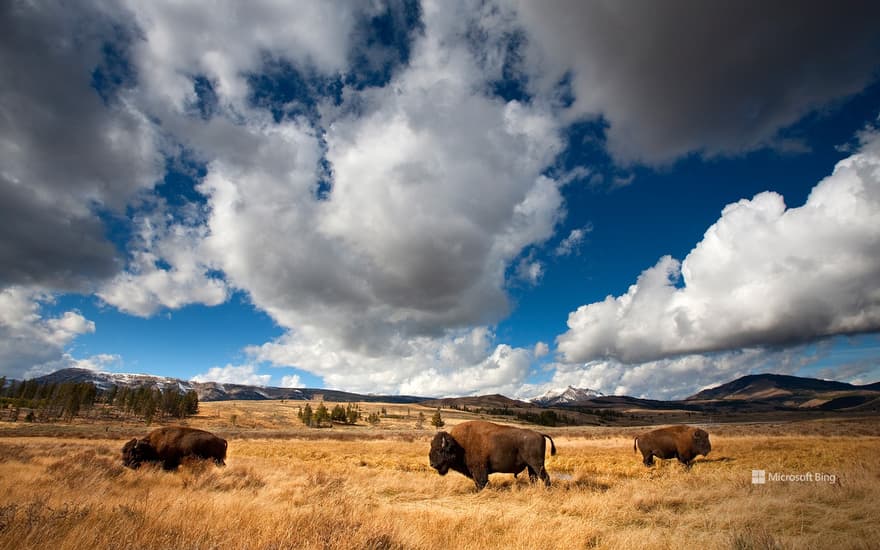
{"type": "Point", "coordinates": [219, 462]}
{"type": "Point", "coordinates": [533, 475]}
{"type": "Point", "coordinates": [537, 472]}
{"type": "Point", "coordinates": [545, 476]}
{"type": "Point", "coordinates": [648, 459]}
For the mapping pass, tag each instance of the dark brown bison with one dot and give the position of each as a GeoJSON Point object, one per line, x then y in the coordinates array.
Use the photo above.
{"type": "Point", "coordinates": [681, 442]}
{"type": "Point", "coordinates": [477, 449]}
{"type": "Point", "coordinates": [172, 444]}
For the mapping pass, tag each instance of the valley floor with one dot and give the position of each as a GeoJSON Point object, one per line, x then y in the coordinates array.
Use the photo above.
{"type": "Point", "coordinates": [373, 489]}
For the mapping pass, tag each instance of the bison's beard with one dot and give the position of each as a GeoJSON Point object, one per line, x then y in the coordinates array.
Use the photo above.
{"type": "Point", "coordinates": [442, 469]}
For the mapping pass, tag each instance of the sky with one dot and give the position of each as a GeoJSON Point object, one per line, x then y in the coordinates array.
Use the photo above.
{"type": "Point", "coordinates": [441, 198]}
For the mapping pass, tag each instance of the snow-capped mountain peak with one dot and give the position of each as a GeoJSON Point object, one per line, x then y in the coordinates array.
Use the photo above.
{"type": "Point", "coordinates": [565, 396]}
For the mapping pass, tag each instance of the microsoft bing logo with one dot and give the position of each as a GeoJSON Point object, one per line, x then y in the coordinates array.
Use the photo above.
{"type": "Point", "coordinates": [759, 477]}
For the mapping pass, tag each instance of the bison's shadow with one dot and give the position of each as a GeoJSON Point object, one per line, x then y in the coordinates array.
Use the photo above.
{"type": "Point", "coordinates": [578, 481]}
{"type": "Point", "coordinates": [561, 481]}
{"type": "Point", "coordinates": [720, 459]}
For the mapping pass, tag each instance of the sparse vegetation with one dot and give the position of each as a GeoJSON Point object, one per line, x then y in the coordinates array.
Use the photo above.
{"type": "Point", "coordinates": [349, 414]}
{"type": "Point", "coordinates": [355, 486]}
{"type": "Point", "coordinates": [373, 419]}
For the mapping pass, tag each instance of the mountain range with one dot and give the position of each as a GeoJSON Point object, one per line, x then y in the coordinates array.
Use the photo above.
{"type": "Point", "coordinates": [216, 391]}
{"type": "Point", "coordinates": [752, 393]}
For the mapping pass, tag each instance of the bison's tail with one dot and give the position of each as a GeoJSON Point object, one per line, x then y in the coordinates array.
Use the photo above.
{"type": "Point", "coordinates": [552, 446]}
{"type": "Point", "coordinates": [635, 442]}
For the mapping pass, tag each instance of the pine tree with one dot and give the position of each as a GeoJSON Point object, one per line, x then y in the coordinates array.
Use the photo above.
{"type": "Point", "coordinates": [338, 414]}
{"type": "Point", "coordinates": [111, 394]}
{"type": "Point", "coordinates": [306, 416]}
{"type": "Point", "coordinates": [352, 414]}
{"type": "Point", "coordinates": [191, 403]}
{"type": "Point", "coordinates": [321, 415]}
{"type": "Point", "coordinates": [437, 420]}
{"type": "Point", "coordinates": [149, 406]}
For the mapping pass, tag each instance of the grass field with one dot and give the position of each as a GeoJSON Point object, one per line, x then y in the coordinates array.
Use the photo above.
{"type": "Point", "coordinates": [285, 486]}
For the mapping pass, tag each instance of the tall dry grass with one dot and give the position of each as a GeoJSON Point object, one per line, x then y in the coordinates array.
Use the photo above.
{"type": "Point", "coordinates": [375, 490]}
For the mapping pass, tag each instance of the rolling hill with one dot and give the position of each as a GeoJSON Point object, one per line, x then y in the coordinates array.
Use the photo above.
{"type": "Point", "coordinates": [759, 386]}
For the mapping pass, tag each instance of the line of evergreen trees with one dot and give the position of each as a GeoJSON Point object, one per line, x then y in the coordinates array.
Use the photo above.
{"type": "Point", "coordinates": [321, 415]}
{"type": "Point", "coordinates": [44, 402]}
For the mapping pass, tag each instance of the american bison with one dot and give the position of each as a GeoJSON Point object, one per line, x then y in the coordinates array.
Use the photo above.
{"type": "Point", "coordinates": [172, 444]}
{"type": "Point", "coordinates": [477, 449]}
{"type": "Point", "coordinates": [681, 442]}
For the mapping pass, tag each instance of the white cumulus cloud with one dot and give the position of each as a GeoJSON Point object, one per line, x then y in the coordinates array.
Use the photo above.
{"type": "Point", "coordinates": [763, 275]}
{"type": "Point", "coordinates": [168, 268]}
{"type": "Point", "coordinates": [291, 381]}
{"type": "Point", "coordinates": [463, 363]}
{"type": "Point", "coordinates": [29, 341]}
{"type": "Point", "coordinates": [234, 374]}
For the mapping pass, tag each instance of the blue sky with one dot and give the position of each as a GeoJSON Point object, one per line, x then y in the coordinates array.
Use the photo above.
{"type": "Point", "coordinates": [441, 198]}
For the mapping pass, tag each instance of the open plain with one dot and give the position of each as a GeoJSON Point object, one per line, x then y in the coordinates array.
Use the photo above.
{"type": "Point", "coordinates": [62, 486]}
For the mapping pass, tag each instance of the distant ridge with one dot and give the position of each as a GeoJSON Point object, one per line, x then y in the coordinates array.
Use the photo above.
{"type": "Point", "coordinates": [493, 401]}
{"type": "Point", "coordinates": [762, 386]}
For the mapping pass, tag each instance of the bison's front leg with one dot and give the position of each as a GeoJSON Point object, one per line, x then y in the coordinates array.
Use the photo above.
{"type": "Point", "coordinates": [481, 476]}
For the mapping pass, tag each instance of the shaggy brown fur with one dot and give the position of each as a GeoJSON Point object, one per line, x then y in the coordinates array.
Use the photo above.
{"type": "Point", "coordinates": [172, 444]}
{"type": "Point", "coordinates": [477, 449]}
{"type": "Point", "coordinates": [681, 442]}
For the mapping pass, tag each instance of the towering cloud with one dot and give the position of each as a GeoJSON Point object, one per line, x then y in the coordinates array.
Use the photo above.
{"type": "Point", "coordinates": [437, 188]}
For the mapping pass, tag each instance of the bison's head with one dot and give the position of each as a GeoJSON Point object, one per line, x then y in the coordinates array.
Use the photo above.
{"type": "Point", "coordinates": [445, 452]}
{"type": "Point", "coordinates": [701, 442]}
{"type": "Point", "coordinates": [136, 451]}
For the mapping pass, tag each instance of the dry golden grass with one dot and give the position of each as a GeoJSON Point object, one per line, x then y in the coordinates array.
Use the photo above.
{"type": "Point", "coordinates": [288, 487]}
